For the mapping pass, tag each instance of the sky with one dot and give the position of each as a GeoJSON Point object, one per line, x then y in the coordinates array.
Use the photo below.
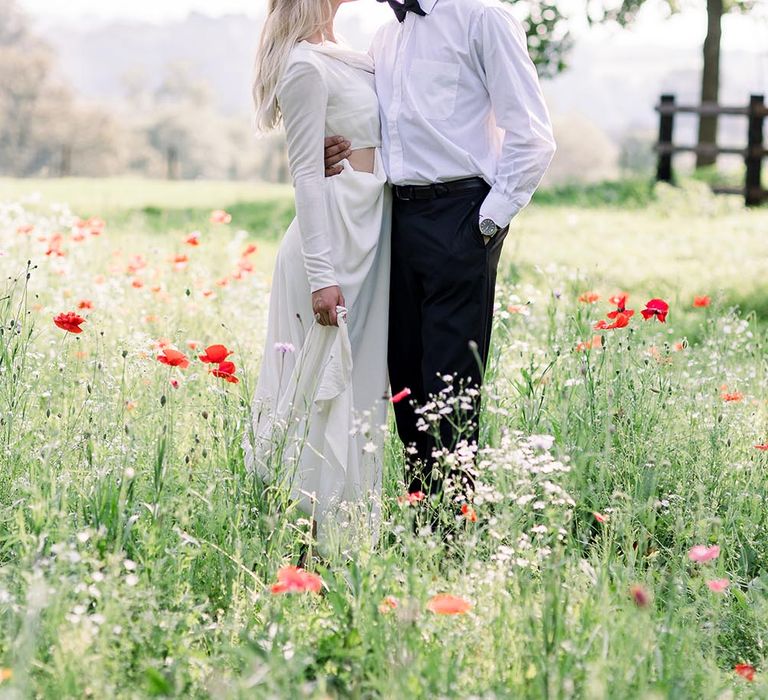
{"type": "Point", "coordinates": [686, 29]}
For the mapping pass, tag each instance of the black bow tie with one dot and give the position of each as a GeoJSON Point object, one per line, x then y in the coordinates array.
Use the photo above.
{"type": "Point", "coordinates": [403, 8]}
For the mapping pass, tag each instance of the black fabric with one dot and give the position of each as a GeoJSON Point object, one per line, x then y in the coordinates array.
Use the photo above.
{"type": "Point", "coordinates": [401, 9]}
{"type": "Point", "coordinates": [441, 299]}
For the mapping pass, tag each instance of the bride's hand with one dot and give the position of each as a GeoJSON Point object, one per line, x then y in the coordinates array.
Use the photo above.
{"type": "Point", "coordinates": [324, 303]}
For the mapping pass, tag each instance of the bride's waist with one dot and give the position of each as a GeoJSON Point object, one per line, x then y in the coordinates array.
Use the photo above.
{"type": "Point", "coordinates": [363, 159]}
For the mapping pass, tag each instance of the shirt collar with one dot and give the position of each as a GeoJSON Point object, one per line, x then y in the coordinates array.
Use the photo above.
{"type": "Point", "coordinates": [427, 5]}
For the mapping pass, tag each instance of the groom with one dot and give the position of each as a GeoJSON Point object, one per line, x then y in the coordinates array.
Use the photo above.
{"type": "Point", "coordinates": [466, 141]}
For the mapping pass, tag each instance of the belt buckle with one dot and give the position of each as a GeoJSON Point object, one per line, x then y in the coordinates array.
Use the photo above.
{"type": "Point", "coordinates": [440, 189]}
{"type": "Point", "coordinates": [404, 193]}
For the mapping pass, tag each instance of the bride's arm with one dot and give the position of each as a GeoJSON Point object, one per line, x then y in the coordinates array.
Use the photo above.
{"type": "Point", "coordinates": [303, 99]}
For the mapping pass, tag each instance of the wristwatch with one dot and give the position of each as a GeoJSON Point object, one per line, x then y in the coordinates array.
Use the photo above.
{"type": "Point", "coordinates": [489, 228]}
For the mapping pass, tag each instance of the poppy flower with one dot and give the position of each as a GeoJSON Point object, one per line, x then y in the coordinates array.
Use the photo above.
{"type": "Point", "coordinates": [763, 448]}
{"type": "Point", "coordinates": [226, 370]}
{"type": "Point", "coordinates": [69, 322]}
{"type": "Point", "coordinates": [215, 354]}
{"type": "Point", "coordinates": [250, 250]}
{"type": "Point", "coordinates": [401, 396]}
{"type": "Point", "coordinates": [412, 498]}
{"type": "Point", "coordinates": [589, 298]}
{"type": "Point", "coordinates": [702, 554]}
{"type": "Point", "coordinates": [620, 300]}
{"type": "Point", "coordinates": [180, 261]}
{"type": "Point", "coordinates": [745, 671]}
{"type": "Point", "coordinates": [221, 217]}
{"type": "Point", "coordinates": [701, 302]}
{"type": "Point", "coordinates": [95, 226]}
{"type": "Point", "coordinates": [658, 308]}
{"type": "Point", "coordinates": [447, 604]}
{"type": "Point", "coordinates": [640, 595]}
{"type": "Point", "coordinates": [85, 304]}
{"type": "Point", "coordinates": [718, 585]}
{"type": "Point", "coordinates": [5, 674]}
{"type": "Point", "coordinates": [137, 283]}
{"type": "Point", "coordinates": [193, 238]}
{"type": "Point", "coordinates": [25, 229]}
{"type": "Point", "coordinates": [173, 358]}
{"type": "Point", "coordinates": [469, 513]}
{"type": "Point", "coordinates": [730, 396]}
{"type": "Point", "coordinates": [620, 321]}
{"type": "Point", "coordinates": [595, 343]}
{"type": "Point", "coordinates": [600, 517]}
{"type": "Point", "coordinates": [292, 579]}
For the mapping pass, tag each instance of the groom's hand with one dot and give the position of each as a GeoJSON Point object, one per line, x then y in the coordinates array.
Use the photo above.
{"type": "Point", "coordinates": [337, 148]}
{"type": "Point", "coordinates": [324, 303]}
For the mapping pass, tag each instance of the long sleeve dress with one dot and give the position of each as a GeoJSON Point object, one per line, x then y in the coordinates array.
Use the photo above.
{"type": "Point", "coordinates": [319, 409]}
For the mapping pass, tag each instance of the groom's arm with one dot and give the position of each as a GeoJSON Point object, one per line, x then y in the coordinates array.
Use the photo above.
{"type": "Point", "coordinates": [501, 52]}
{"type": "Point", "coordinates": [337, 148]}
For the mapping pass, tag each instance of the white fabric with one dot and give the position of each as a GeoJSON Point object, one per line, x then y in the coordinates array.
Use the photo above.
{"type": "Point", "coordinates": [318, 411]}
{"type": "Point", "coordinates": [459, 98]}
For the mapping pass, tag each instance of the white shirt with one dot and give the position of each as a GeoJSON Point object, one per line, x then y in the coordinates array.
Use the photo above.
{"type": "Point", "coordinates": [460, 97]}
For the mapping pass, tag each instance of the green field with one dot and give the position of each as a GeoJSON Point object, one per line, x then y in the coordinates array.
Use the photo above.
{"type": "Point", "coordinates": [137, 555]}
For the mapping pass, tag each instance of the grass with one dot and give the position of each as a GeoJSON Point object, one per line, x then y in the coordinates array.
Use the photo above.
{"type": "Point", "coordinates": [137, 555]}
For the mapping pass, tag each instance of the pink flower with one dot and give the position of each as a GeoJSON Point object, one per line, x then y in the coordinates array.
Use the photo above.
{"type": "Point", "coordinates": [702, 554]}
{"type": "Point", "coordinates": [718, 585]}
{"type": "Point", "coordinates": [221, 217]}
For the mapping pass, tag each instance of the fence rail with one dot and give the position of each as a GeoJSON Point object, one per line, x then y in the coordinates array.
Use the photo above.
{"type": "Point", "coordinates": [755, 151]}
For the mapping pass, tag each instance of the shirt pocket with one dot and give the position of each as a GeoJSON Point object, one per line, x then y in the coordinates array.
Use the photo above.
{"type": "Point", "coordinates": [434, 86]}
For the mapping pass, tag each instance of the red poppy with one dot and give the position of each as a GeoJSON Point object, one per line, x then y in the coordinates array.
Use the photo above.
{"type": "Point", "coordinates": [173, 358]}
{"type": "Point", "coordinates": [701, 302]}
{"type": "Point", "coordinates": [221, 217]}
{"type": "Point", "coordinates": [447, 604]}
{"type": "Point", "coordinates": [250, 250]}
{"type": "Point", "coordinates": [85, 304]}
{"type": "Point", "coordinates": [193, 238]}
{"type": "Point", "coordinates": [401, 396]}
{"type": "Point", "coordinates": [388, 604]}
{"type": "Point", "coordinates": [745, 671]}
{"type": "Point", "coordinates": [596, 342]}
{"type": "Point", "coordinates": [95, 226]}
{"type": "Point", "coordinates": [764, 447]}
{"type": "Point", "coordinates": [69, 322]}
{"type": "Point", "coordinates": [620, 300]}
{"type": "Point", "coordinates": [640, 596]}
{"type": "Point", "coordinates": [658, 308]}
{"type": "Point", "coordinates": [589, 298]}
{"type": "Point", "coordinates": [619, 321]}
{"type": "Point", "coordinates": [600, 517]}
{"type": "Point", "coordinates": [226, 370]}
{"type": "Point", "coordinates": [412, 498]}
{"type": "Point", "coordinates": [731, 396]}
{"type": "Point", "coordinates": [469, 513]}
{"type": "Point", "coordinates": [292, 579]}
{"type": "Point", "coordinates": [215, 354]}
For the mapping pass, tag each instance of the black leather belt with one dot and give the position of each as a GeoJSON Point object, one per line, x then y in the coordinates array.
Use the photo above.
{"type": "Point", "coordinates": [407, 193]}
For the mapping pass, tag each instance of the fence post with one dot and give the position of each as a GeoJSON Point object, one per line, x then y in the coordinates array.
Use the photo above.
{"type": "Point", "coordinates": [666, 127]}
{"type": "Point", "coordinates": [753, 190]}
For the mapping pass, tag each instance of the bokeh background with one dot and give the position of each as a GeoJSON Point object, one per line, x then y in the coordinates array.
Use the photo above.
{"type": "Point", "coordinates": [162, 89]}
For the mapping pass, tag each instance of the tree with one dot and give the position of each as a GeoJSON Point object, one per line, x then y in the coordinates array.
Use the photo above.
{"type": "Point", "coordinates": [549, 40]}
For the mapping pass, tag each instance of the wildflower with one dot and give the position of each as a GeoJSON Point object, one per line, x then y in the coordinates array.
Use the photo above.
{"type": "Point", "coordinates": [404, 394]}
{"type": "Point", "coordinates": [180, 261]}
{"type": "Point", "coordinates": [600, 517]}
{"type": "Point", "coordinates": [469, 513]}
{"type": "Point", "coordinates": [221, 217]}
{"type": "Point", "coordinates": [589, 298]}
{"type": "Point", "coordinates": [701, 302]}
{"type": "Point", "coordinates": [718, 585]}
{"type": "Point", "coordinates": [137, 283]}
{"type": "Point", "coordinates": [175, 383]}
{"type": "Point", "coordinates": [595, 343]}
{"type": "Point", "coordinates": [745, 671]}
{"type": "Point", "coordinates": [5, 674]}
{"type": "Point", "coordinates": [292, 579]}
{"type": "Point", "coordinates": [193, 238]}
{"type": "Point", "coordinates": [702, 554]}
{"type": "Point", "coordinates": [226, 370]}
{"type": "Point", "coordinates": [730, 396]}
{"type": "Point", "coordinates": [387, 605]}
{"type": "Point", "coordinates": [85, 304]}
{"type": "Point", "coordinates": [620, 300]}
{"type": "Point", "coordinates": [412, 498]}
{"type": "Point", "coordinates": [679, 347]}
{"type": "Point", "coordinates": [620, 321]}
{"type": "Point", "coordinates": [763, 448]}
{"type": "Point", "coordinates": [447, 604]}
{"type": "Point", "coordinates": [69, 322]}
{"type": "Point", "coordinates": [640, 595]}
{"type": "Point", "coordinates": [215, 354]}
{"type": "Point", "coordinates": [250, 250]}
{"type": "Point", "coordinates": [173, 358]}
{"type": "Point", "coordinates": [658, 308]}
{"type": "Point", "coordinates": [25, 229]}
{"type": "Point", "coordinates": [95, 226]}
{"type": "Point", "coordinates": [284, 348]}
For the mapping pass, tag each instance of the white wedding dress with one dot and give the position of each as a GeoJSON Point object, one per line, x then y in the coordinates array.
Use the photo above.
{"type": "Point", "coordinates": [319, 410]}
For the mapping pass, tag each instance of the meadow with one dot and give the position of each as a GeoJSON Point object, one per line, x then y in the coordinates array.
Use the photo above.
{"type": "Point", "coordinates": [615, 548]}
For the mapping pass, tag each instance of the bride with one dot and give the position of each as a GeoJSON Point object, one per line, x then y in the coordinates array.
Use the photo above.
{"type": "Point", "coordinates": [319, 407]}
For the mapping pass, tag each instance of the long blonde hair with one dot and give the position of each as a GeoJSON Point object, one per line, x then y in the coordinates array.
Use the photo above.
{"type": "Point", "coordinates": [288, 22]}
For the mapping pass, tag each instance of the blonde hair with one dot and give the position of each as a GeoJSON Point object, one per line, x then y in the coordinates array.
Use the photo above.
{"type": "Point", "coordinates": [288, 22]}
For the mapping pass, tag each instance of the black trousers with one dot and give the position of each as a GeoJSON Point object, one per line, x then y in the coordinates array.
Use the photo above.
{"type": "Point", "coordinates": [442, 297]}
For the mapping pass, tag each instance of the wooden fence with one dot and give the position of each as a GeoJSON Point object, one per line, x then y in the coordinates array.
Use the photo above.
{"type": "Point", "coordinates": [754, 153]}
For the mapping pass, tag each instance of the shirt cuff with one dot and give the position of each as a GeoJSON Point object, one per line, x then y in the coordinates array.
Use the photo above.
{"type": "Point", "coordinates": [498, 209]}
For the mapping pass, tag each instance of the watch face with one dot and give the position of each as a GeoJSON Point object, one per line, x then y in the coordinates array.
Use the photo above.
{"type": "Point", "coordinates": [488, 227]}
